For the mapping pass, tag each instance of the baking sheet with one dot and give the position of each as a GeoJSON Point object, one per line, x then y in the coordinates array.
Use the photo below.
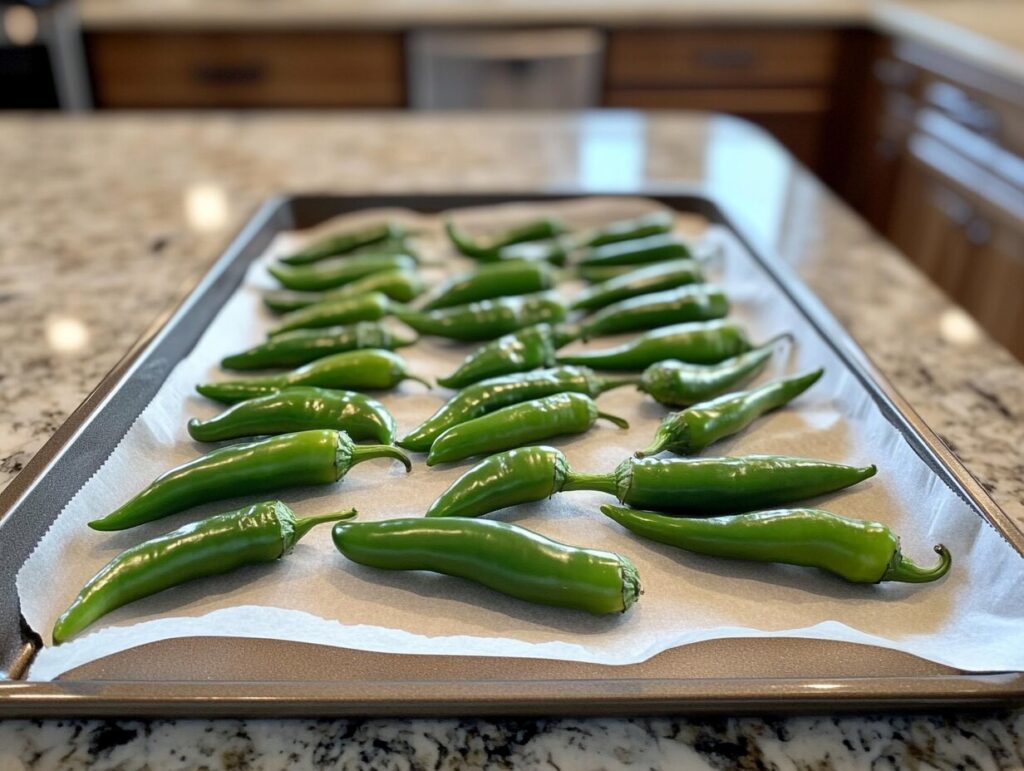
{"type": "Point", "coordinates": [971, 620]}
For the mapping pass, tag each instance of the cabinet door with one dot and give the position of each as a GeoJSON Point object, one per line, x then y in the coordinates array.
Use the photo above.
{"type": "Point", "coordinates": [971, 248]}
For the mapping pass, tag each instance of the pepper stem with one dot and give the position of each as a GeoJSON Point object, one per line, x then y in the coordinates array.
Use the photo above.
{"type": "Point", "coordinates": [602, 483]}
{"type": "Point", "coordinates": [655, 447]}
{"type": "Point", "coordinates": [903, 569]}
{"type": "Point", "coordinates": [615, 419]}
{"type": "Point", "coordinates": [370, 451]}
{"type": "Point", "coordinates": [608, 383]}
{"type": "Point", "coordinates": [305, 524]}
{"type": "Point", "coordinates": [418, 379]}
{"type": "Point", "coordinates": [787, 336]}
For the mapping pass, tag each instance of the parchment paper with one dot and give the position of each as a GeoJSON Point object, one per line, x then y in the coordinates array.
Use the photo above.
{"type": "Point", "coordinates": [973, 619]}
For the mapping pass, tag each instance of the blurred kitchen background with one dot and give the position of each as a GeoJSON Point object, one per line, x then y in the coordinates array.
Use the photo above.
{"type": "Point", "coordinates": [913, 112]}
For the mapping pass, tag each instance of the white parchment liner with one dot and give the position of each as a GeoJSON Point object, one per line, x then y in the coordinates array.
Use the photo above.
{"type": "Point", "coordinates": [974, 619]}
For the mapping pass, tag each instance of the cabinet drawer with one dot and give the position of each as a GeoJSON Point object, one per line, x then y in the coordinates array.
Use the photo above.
{"type": "Point", "coordinates": [300, 69]}
{"type": "Point", "coordinates": [702, 58]}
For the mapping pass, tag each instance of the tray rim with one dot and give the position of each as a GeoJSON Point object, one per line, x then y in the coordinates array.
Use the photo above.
{"type": "Point", "coordinates": [62, 697]}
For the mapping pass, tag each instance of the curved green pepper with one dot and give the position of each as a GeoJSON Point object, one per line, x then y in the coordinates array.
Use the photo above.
{"type": "Point", "coordinates": [507, 558]}
{"type": "Point", "coordinates": [400, 285]}
{"type": "Point", "coordinates": [857, 550]}
{"type": "Point", "coordinates": [345, 243]}
{"type": "Point", "coordinates": [694, 429]}
{"type": "Point", "coordinates": [499, 279]}
{"type": "Point", "coordinates": [677, 383]}
{"type": "Point", "coordinates": [302, 346]}
{"type": "Point", "coordinates": [632, 229]}
{"type": "Point", "coordinates": [331, 313]}
{"type": "Point", "coordinates": [291, 460]}
{"type": "Point", "coordinates": [523, 475]}
{"type": "Point", "coordinates": [637, 252]}
{"type": "Point", "coordinates": [554, 251]}
{"type": "Point", "coordinates": [698, 342]}
{"type": "Point", "coordinates": [300, 409]}
{"type": "Point", "coordinates": [489, 251]}
{"type": "Point", "coordinates": [487, 319]}
{"type": "Point", "coordinates": [219, 544]}
{"type": "Point", "coordinates": [704, 486]}
{"type": "Point", "coordinates": [368, 369]}
{"type": "Point", "coordinates": [489, 395]}
{"type": "Point", "coordinates": [519, 424]}
{"type": "Point", "coordinates": [521, 351]}
{"type": "Point", "coordinates": [658, 277]}
{"type": "Point", "coordinates": [697, 302]}
{"type": "Point", "coordinates": [339, 271]}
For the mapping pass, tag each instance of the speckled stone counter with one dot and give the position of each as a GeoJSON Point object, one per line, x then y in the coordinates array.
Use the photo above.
{"type": "Point", "coordinates": [104, 221]}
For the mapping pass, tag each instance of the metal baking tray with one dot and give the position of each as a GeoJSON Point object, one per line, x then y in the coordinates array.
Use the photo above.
{"type": "Point", "coordinates": [212, 676]}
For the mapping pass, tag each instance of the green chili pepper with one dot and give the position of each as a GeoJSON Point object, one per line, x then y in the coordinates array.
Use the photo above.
{"type": "Point", "coordinates": [507, 558]}
{"type": "Point", "coordinates": [523, 475]}
{"type": "Point", "coordinates": [521, 351]}
{"type": "Point", "coordinates": [302, 346]}
{"type": "Point", "coordinates": [658, 277]}
{"type": "Point", "coordinates": [553, 250]}
{"type": "Point", "coordinates": [703, 486]}
{"type": "Point", "coordinates": [519, 424]}
{"type": "Point", "coordinates": [637, 252]}
{"type": "Point", "coordinates": [694, 429]}
{"type": "Point", "coordinates": [489, 251]}
{"type": "Point", "coordinates": [597, 274]}
{"type": "Point", "coordinates": [331, 313]}
{"type": "Point", "coordinates": [858, 550]}
{"type": "Point", "coordinates": [368, 369]}
{"type": "Point", "coordinates": [400, 285]}
{"type": "Point", "coordinates": [487, 319]}
{"type": "Point", "coordinates": [489, 395]}
{"type": "Point", "coordinates": [698, 342]}
{"type": "Point", "coordinates": [344, 243]}
{"type": "Point", "coordinates": [319, 457]}
{"type": "Point", "coordinates": [643, 226]}
{"type": "Point", "coordinates": [219, 544]}
{"type": "Point", "coordinates": [339, 271]}
{"type": "Point", "coordinates": [697, 302]}
{"type": "Point", "coordinates": [500, 279]}
{"type": "Point", "coordinates": [300, 409]}
{"type": "Point", "coordinates": [676, 383]}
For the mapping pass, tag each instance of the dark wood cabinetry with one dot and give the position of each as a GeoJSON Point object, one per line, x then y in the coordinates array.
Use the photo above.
{"type": "Point", "coordinates": [258, 69]}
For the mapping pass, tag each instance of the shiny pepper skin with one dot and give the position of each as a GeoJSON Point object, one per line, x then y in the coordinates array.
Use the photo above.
{"type": "Point", "coordinates": [290, 460]}
{"type": "Point", "coordinates": [301, 346]}
{"type": "Point", "coordinates": [489, 395]}
{"type": "Point", "coordinates": [500, 279]}
{"type": "Point", "coordinates": [856, 550]}
{"type": "Point", "coordinates": [640, 251]}
{"type": "Point", "coordinates": [331, 313]}
{"type": "Point", "coordinates": [523, 475]}
{"type": "Point", "coordinates": [399, 285]}
{"type": "Point", "coordinates": [697, 302]}
{"type": "Point", "coordinates": [300, 409]}
{"type": "Point", "coordinates": [519, 424]}
{"type": "Point", "coordinates": [693, 429]}
{"type": "Point", "coordinates": [659, 277]}
{"type": "Point", "coordinates": [698, 342]}
{"type": "Point", "coordinates": [486, 319]}
{"type": "Point", "coordinates": [368, 369]}
{"type": "Point", "coordinates": [677, 383]}
{"type": "Point", "coordinates": [490, 250]}
{"type": "Point", "coordinates": [709, 486]}
{"type": "Point", "coordinates": [507, 558]}
{"type": "Point", "coordinates": [219, 544]}
{"type": "Point", "coordinates": [338, 271]}
{"type": "Point", "coordinates": [345, 243]}
{"type": "Point", "coordinates": [529, 348]}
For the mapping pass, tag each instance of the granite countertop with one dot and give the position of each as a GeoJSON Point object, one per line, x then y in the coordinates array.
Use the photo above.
{"type": "Point", "coordinates": [114, 216]}
{"type": "Point", "coordinates": [989, 33]}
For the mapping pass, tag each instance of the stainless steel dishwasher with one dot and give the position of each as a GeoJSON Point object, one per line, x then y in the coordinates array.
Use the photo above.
{"type": "Point", "coordinates": [505, 69]}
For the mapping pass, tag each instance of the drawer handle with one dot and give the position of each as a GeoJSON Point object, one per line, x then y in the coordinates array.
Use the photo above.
{"type": "Point", "coordinates": [229, 74]}
{"type": "Point", "coordinates": [726, 59]}
{"type": "Point", "coordinates": [959, 106]}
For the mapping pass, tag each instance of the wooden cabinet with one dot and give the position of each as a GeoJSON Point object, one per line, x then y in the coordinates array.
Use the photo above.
{"type": "Point", "coordinates": [259, 69]}
{"type": "Point", "coordinates": [780, 79]}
